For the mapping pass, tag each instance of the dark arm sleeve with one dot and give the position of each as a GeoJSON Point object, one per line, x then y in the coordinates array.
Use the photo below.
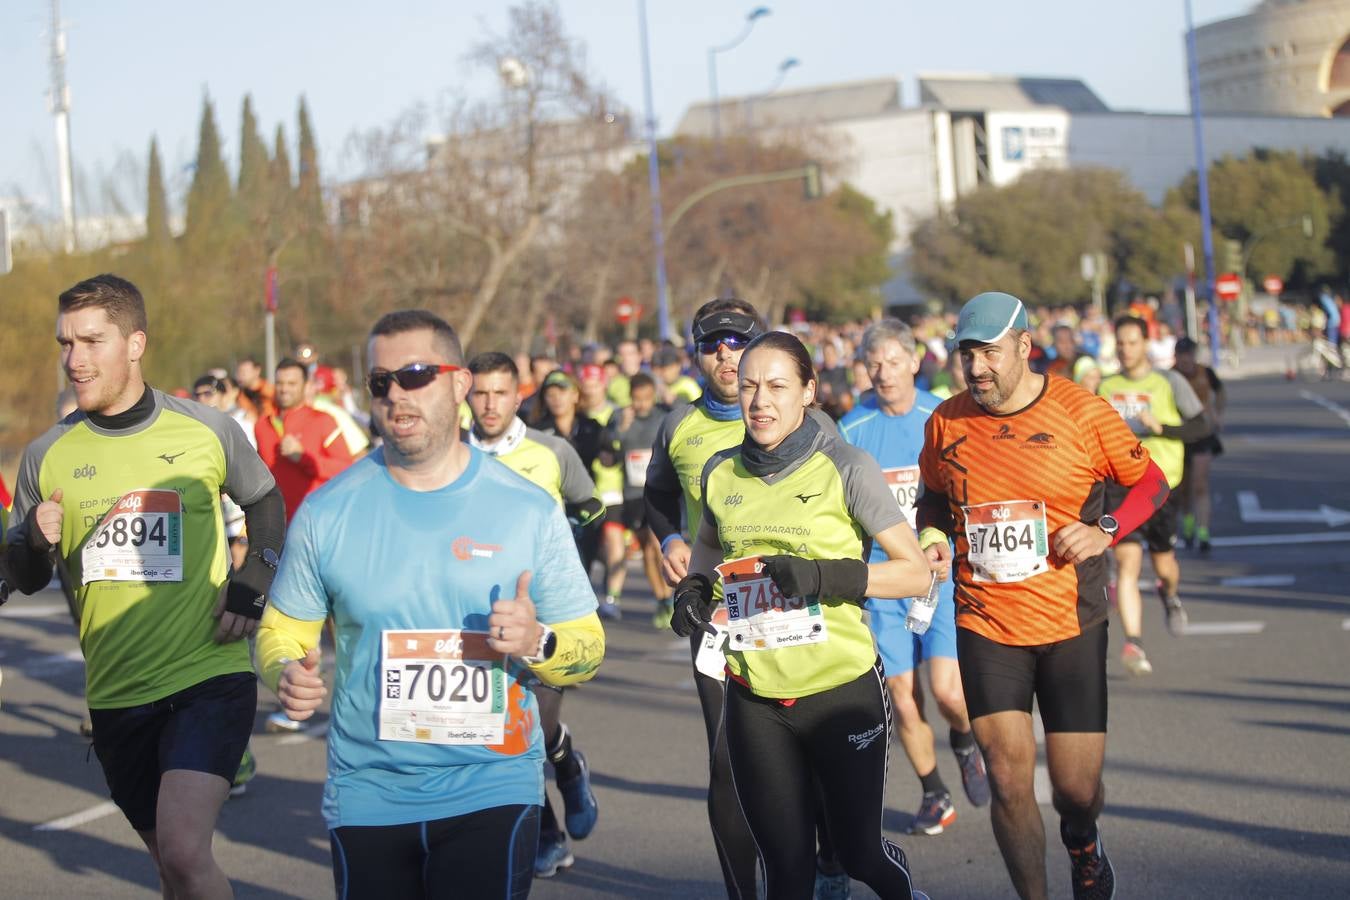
{"type": "Point", "coordinates": [661, 494]}
{"type": "Point", "coordinates": [28, 559]}
{"type": "Point", "coordinates": [265, 521]}
{"type": "Point", "coordinates": [933, 510]}
{"type": "Point", "coordinates": [1191, 430]}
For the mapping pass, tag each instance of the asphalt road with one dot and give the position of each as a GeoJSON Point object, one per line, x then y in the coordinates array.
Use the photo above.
{"type": "Point", "coordinates": [1225, 770]}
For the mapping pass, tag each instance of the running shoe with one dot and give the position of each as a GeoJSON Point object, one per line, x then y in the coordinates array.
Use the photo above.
{"type": "Point", "coordinates": [665, 611]}
{"type": "Point", "coordinates": [1204, 548]}
{"type": "Point", "coordinates": [936, 814]}
{"type": "Point", "coordinates": [833, 887]}
{"type": "Point", "coordinates": [248, 767]}
{"type": "Point", "coordinates": [1093, 877]}
{"type": "Point", "coordinates": [553, 854]}
{"type": "Point", "coordinates": [1176, 615]}
{"type": "Point", "coordinates": [278, 723]}
{"type": "Point", "coordinates": [579, 807]}
{"type": "Point", "coordinates": [1135, 660]}
{"type": "Point", "coordinates": [87, 728]}
{"type": "Point", "coordinates": [973, 776]}
{"type": "Point", "coordinates": [609, 609]}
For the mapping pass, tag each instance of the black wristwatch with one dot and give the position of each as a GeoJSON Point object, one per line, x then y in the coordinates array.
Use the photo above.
{"type": "Point", "coordinates": [1108, 524]}
{"type": "Point", "coordinates": [268, 557]}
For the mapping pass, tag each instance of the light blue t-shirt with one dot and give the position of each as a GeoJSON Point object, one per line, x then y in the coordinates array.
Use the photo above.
{"type": "Point", "coordinates": [894, 442]}
{"type": "Point", "coordinates": [375, 555]}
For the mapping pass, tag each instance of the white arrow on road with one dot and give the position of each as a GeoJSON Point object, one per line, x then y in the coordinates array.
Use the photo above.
{"type": "Point", "coordinates": [1249, 507]}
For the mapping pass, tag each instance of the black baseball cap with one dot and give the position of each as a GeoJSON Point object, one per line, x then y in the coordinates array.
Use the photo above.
{"type": "Point", "coordinates": [1185, 345]}
{"type": "Point", "coordinates": [726, 322]}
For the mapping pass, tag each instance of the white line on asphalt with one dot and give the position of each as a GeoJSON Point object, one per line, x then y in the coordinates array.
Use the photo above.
{"type": "Point", "coordinates": [309, 734]}
{"type": "Point", "coordinates": [75, 820]}
{"type": "Point", "coordinates": [1212, 628]}
{"type": "Point", "coordinates": [1326, 404]}
{"type": "Point", "coordinates": [1263, 540]}
{"type": "Point", "coordinates": [1258, 581]}
{"type": "Point", "coordinates": [33, 612]}
{"type": "Point", "coordinates": [1345, 625]}
{"type": "Point", "coordinates": [52, 662]}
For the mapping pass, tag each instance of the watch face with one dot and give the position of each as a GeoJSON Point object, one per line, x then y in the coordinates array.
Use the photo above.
{"type": "Point", "coordinates": [1108, 524]}
{"type": "Point", "coordinates": [269, 557]}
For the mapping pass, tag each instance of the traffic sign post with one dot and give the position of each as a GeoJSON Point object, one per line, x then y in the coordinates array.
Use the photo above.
{"type": "Point", "coordinates": [624, 310]}
{"type": "Point", "coordinates": [1273, 284]}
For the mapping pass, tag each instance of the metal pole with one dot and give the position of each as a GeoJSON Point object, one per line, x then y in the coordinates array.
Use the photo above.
{"type": "Point", "coordinates": [60, 105]}
{"type": "Point", "coordinates": [270, 344]}
{"type": "Point", "coordinates": [654, 183]}
{"type": "Point", "coordinates": [1202, 177]}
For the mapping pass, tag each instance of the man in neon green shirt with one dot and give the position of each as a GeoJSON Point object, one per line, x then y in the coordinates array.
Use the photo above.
{"type": "Point", "coordinates": [1161, 408]}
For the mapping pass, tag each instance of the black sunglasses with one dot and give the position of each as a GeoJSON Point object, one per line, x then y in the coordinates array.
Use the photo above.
{"type": "Point", "coordinates": [410, 378]}
{"type": "Point", "coordinates": [732, 340]}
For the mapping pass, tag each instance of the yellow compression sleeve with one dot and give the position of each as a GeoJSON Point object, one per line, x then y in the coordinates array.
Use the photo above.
{"type": "Point", "coordinates": [581, 647]}
{"type": "Point", "coordinates": [281, 639]}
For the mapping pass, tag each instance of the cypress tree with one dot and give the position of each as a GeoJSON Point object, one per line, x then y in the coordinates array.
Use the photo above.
{"type": "Point", "coordinates": [157, 232]}
{"type": "Point", "coordinates": [209, 197]}
{"type": "Point", "coordinates": [253, 167]}
{"type": "Point", "coordinates": [309, 198]}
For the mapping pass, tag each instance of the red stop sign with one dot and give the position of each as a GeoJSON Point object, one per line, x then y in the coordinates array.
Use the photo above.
{"type": "Point", "coordinates": [1228, 286]}
{"type": "Point", "coordinates": [624, 310]}
{"type": "Point", "coordinates": [1273, 284]}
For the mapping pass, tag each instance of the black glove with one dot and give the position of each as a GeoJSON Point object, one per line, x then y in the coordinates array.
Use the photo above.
{"type": "Point", "coordinates": [585, 514]}
{"type": "Point", "coordinates": [246, 594]}
{"type": "Point", "coordinates": [845, 579]}
{"type": "Point", "coordinates": [693, 606]}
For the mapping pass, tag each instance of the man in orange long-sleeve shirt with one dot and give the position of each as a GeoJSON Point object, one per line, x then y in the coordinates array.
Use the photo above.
{"type": "Point", "coordinates": [301, 445]}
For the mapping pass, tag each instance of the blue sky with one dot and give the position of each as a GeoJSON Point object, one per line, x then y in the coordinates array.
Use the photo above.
{"type": "Point", "coordinates": [140, 67]}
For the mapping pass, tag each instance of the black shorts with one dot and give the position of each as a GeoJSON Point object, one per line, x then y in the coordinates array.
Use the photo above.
{"type": "Point", "coordinates": [1159, 531]}
{"type": "Point", "coordinates": [204, 728]}
{"type": "Point", "coordinates": [614, 515]}
{"type": "Point", "coordinates": [1067, 678]}
{"type": "Point", "coordinates": [488, 853]}
{"type": "Point", "coordinates": [635, 514]}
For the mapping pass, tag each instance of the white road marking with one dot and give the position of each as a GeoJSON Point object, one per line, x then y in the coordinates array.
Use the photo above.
{"type": "Point", "coordinates": [43, 664]}
{"type": "Point", "coordinates": [33, 612]}
{"type": "Point", "coordinates": [1213, 628]}
{"type": "Point", "coordinates": [75, 820]}
{"type": "Point", "coordinates": [312, 733]}
{"type": "Point", "coordinates": [1329, 405]}
{"type": "Point", "coordinates": [1345, 625]}
{"type": "Point", "coordinates": [1258, 581]}
{"type": "Point", "coordinates": [1266, 540]}
{"type": "Point", "coordinates": [1249, 508]}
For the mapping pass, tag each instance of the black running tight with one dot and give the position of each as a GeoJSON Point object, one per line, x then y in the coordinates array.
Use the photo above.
{"type": "Point", "coordinates": [838, 740]}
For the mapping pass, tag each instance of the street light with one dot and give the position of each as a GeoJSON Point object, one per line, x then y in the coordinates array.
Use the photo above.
{"type": "Point", "coordinates": [755, 14]}
{"type": "Point", "coordinates": [790, 63]}
{"type": "Point", "coordinates": [654, 181]}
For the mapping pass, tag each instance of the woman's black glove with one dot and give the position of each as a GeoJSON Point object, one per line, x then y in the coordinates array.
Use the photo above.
{"type": "Point", "coordinates": [845, 579]}
{"type": "Point", "coordinates": [693, 606]}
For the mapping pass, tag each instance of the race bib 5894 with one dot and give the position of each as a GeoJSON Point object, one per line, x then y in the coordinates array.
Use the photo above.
{"type": "Point", "coordinates": [139, 539]}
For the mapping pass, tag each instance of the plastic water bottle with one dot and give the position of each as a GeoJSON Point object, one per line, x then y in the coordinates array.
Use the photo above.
{"type": "Point", "coordinates": [921, 609]}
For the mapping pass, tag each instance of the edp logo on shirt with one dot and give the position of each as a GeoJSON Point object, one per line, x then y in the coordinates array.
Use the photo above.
{"type": "Point", "coordinates": [85, 471]}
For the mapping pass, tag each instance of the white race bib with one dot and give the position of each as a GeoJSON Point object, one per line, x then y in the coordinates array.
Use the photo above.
{"type": "Point", "coordinates": [759, 617]}
{"type": "Point", "coordinates": [635, 466]}
{"type": "Point", "coordinates": [1007, 540]}
{"type": "Point", "coordinates": [139, 539]}
{"type": "Point", "coordinates": [904, 483]}
{"type": "Point", "coordinates": [442, 687]}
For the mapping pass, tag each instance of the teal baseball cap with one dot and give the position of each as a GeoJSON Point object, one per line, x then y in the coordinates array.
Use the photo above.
{"type": "Point", "coordinates": [987, 317]}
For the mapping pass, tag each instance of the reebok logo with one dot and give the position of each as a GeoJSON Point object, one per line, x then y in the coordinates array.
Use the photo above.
{"type": "Point", "coordinates": [864, 740]}
{"type": "Point", "coordinates": [1005, 433]}
{"type": "Point", "coordinates": [169, 458]}
{"type": "Point", "coordinates": [805, 497]}
{"type": "Point", "coordinates": [1040, 439]}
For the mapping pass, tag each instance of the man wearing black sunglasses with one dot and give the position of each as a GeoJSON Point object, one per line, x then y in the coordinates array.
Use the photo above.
{"type": "Point", "coordinates": [452, 584]}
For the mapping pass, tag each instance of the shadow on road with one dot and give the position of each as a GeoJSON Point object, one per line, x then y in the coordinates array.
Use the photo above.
{"type": "Point", "coordinates": [697, 792]}
{"type": "Point", "coordinates": [1304, 843]}
{"type": "Point", "coordinates": [591, 878]}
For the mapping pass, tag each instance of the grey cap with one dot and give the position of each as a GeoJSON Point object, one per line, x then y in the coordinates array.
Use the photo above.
{"type": "Point", "coordinates": [987, 317]}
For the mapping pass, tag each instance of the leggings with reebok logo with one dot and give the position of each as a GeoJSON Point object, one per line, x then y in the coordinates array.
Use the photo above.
{"type": "Point", "coordinates": [830, 748]}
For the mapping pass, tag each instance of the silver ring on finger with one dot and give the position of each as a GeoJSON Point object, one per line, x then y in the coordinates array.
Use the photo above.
{"type": "Point", "coordinates": [501, 632]}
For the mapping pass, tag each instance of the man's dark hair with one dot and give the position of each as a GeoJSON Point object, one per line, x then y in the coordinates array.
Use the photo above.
{"type": "Point", "coordinates": [641, 379]}
{"type": "Point", "coordinates": [401, 321]}
{"type": "Point", "coordinates": [494, 361]}
{"type": "Point", "coordinates": [119, 299]}
{"type": "Point", "coordinates": [730, 304]}
{"type": "Point", "coordinates": [1135, 321]}
{"type": "Point", "coordinates": [289, 363]}
{"type": "Point", "coordinates": [210, 381]}
{"type": "Point", "coordinates": [251, 360]}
